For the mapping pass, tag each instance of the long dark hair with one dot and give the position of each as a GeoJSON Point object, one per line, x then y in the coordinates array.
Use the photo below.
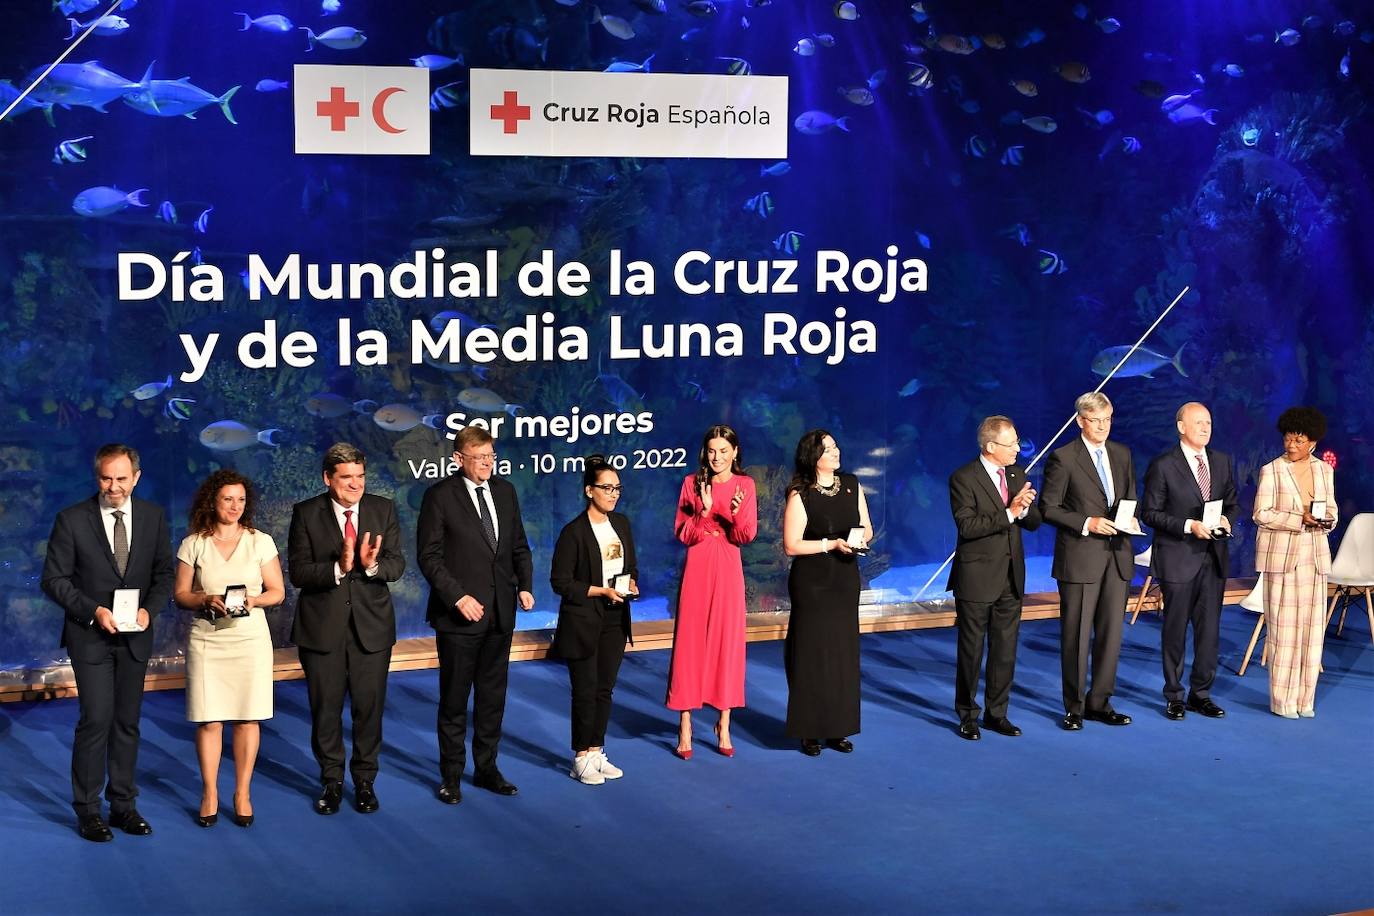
{"type": "Point", "coordinates": [591, 470]}
{"type": "Point", "coordinates": [719, 431]}
{"type": "Point", "coordinates": [810, 448]}
{"type": "Point", "coordinates": [201, 518]}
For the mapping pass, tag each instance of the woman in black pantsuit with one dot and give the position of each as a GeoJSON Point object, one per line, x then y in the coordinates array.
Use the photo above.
{"type": "Point", "coordinates": [593, 617]}
{"type": "Point", "coordinates": [822, 651]}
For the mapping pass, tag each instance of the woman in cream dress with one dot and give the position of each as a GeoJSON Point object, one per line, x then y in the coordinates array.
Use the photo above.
{"type": "Point", "coordinates": [228, 658]}
{"type": "Point", "coordinates": [1291, 551]}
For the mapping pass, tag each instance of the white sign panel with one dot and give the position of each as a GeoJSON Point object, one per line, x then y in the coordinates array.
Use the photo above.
{"type": "Point", "coordinates": [664, 115]}
{"type": "Point", "coordinates": [375, 111]}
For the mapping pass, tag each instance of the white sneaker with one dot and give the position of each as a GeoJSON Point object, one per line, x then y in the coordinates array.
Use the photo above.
{"type": "Point", "coordinates": [606, 768]}
{"type": "Point", "coordinates": [585, 771]}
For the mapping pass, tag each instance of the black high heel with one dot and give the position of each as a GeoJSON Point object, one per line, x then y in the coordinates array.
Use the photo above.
{"type": "Point", "coordinates": [207, 820]}
{"type": "Point", "coordinates": [242, 820]}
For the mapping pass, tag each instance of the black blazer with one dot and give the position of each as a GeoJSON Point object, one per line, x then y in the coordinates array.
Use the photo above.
{"type": "Point", "coordinates": [988, 544]}
{"type": "Point", "coordinates": [1171, 497]}
{"type": "Point", "coordinates": [456, 560]}
{"type": "Point", "coordinates": [79, 574]}
{"type": "Point", "coordinates": [576, 567]}
{"type": "Point", "coordinates": [1071, 493]}
{"type": "Point", "coordinates": [323, 609]}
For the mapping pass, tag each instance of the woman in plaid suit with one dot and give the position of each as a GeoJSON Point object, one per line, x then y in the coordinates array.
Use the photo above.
{"type": "Point", "coordinates": [1292, 552]}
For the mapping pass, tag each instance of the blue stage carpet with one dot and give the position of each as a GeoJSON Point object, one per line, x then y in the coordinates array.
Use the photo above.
{"type": "Point", "coordinates": [1249, 814]}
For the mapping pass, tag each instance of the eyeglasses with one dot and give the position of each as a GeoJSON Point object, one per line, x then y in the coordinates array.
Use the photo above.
{"type": "Point", "coordinates": [610, 489]}
{"type": "Point", "coordinates": [479, 459]}
{"type": "Point", "coordinates": [1007, 444]}
{"type": "Point", "coordinates": [1296, 439]}
{"type": "Point", "coordinates": [1096, 421]}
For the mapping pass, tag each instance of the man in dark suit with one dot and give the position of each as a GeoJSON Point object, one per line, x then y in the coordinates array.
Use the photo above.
{"type": "Point", "coordinates": [991, 501]}
{"type": "Point", "coordinates": [1189, 562]}
{"type": "Point", "coordinates": [343, 550]}
{"type": "Point", "coordinates": [1093, 563]}
{"type": "Point", "coordinates": [473, 552]}
{"type": "Point", "coordinates": [111, 541]}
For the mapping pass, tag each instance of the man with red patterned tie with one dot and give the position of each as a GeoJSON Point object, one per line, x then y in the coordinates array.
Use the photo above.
{"type": "Point", "coordinates": [343, 550]}
{"type": "Point", "coordinates": [991, 501]}
{"type": "Point", "coordinates": [1188, 559]}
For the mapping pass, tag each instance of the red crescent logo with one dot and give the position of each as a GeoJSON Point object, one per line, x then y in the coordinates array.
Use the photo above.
{"type": "Point", "coordinates": [379, 112]}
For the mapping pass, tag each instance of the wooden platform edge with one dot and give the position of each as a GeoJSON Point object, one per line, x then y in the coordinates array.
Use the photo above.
{"type": "Point", "coordinates": [420, 653]}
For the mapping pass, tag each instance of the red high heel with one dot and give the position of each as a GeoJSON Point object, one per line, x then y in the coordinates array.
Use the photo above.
{"type": "Point", "coordinates": [684, 755]}
{"type": "Point", "coordinates": [723, 751]}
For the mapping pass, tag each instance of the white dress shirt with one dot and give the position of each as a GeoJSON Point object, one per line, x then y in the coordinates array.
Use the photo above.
{"type": "Point", "coordinates": [108, 520]}
{"type": "Point", "coordinates": [491, 506]}
{"type": "Point", "coordinates": [1106, 466]}
{"type": "Point", "coordinates": [1190, 455]}
{"type": "Point", "coordinates": [339, 510]}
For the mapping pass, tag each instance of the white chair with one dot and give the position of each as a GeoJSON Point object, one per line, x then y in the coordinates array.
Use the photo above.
{"type": "Point", "coordinates": [1352, 571]}
{"type": "Point", "coordinates": [1143, 559]}
{"type": "Point", "coordinates": [1255, 602]}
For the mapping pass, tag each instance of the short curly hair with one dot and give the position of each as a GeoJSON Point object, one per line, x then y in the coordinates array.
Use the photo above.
{"type": "Point", "coordinates": [201, 518]}
{"type": "Point", "coordinates": [1306, 421]}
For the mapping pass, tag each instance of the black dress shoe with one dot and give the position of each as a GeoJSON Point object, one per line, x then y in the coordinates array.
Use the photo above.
{"type": "Point", "coordinates": [207, 820]}
{"type": "Point", "coordinates": [93, 827]}
{"type": "Point", "coordinates": [131, 822]}
{"type": "Point", "coordinates": [364, 799]}
{"type": "Point", "coordinates": [969, 730]}
{"type": "Point", "coordinates": [330, 798]}
{"type": "Point", "coordinates": [1207, 708]}
{"type": "Point", "coordinates": [1002, 725]}
{"type": "Point", "coordinates": [811, 747]}
{"type": "Point", "coordinates": [493, 781]}
{"type": "Point", "coordinates": [1072, 722]}
{"type": "Point", "coordinates": [1107, 716]}
{"type": "Point", "coordinates": [450, 793]}
{"type": "Point", "coordinates": [1174, 710]}
{"type": "Point", "coordinates": [242, 820]}
{"type": "Point", "coordinates": [843, 745]}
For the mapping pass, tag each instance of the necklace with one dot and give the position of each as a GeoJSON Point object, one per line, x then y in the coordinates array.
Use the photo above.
{"type": "Point", "coordinates": [237, 535]}
{"type": "Point", "coordinates": [830, 490]}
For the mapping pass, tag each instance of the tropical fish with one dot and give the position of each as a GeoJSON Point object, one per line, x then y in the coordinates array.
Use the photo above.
{"type": "Point", "coordinates": [488, 401]}
{"type": "Point", "coordinates": [105, 25]}
{"type": "Point", "coordinates": [744, 22]}
{"type": "Point", "coordinates": [567, 2]}
{"type": "Point", "coordinates": [1185, 114]}
{"type": "Point", "coordinates": [1041, 124]}
{"type": "Point", "coordinates": [1143, 362]}
{"type": "Point", "coordinates": [271, 85]}
{"type": "Point", "coordinates": [330, 7]}
{"type": "Point", "coordinates": [170, 98]}
{"type": "Point", "coordinates": [1235, 71]}
{"type": "Point", "coordinates": [8, 93]}
{"type": "Point", "coordinates": [1026, 448]}
{"type": "Point", "coordinates": [178, 408]}
{"type": "Point", "coordinates": [1250, 136]}
{"type": "Point", "coordinates": [1345, 27]}
{"type": "Point", "coordinates": [825, 39]}
{"type": "Point", "coordinates": [971, 106]}
{"type": "Point", "coordinates": [1313, 22]}
{"type": "Point", "coordinates": [466, 323]}
{"type": "Point", "coordinates": [955, 44]}
{"type": "Point", "coordinates": [151, 389]}
{"type": "Point", "coordinates": [1018, 231]}
{"type": "Point", "coordinates": [67, 7]}
{"type": "Point", "coordinates": [805, 47]}
{"type": "Point", "coordinates": [919, 76]}
{"type": "Point", "coordinates": [1032, 37]}
{"type": "Point", "coordinates": [657, 7]}
{"type": "Point", "coordinates": [818, 122]}
{"type": "Point", "coordinates": [689, 34]}
{"type": "Point", "coordinates": [909, 388]}
{"type": "Point", "coordinates": [1130, 145]}
{"type": "Point", "coordinates": [700, 8]}
{"type": "Point", "coordinates": [977, 147]}
{"type": "Point", "coordinates": [87, 84]}
{"type": "Point", "coordinates": [995, 41]}
{"type": "Point", "coordinates": [340, 38]}
{"type": "Point", "coordinates": [876, 78]}
{"type": "Point", "coordinates": [436, 61]}
{"type": "Point", "coordinates": [776, 169]}
{"type": "Point", "coordinates": [918, 12]}
{"type": "Point", "coordinates": [1080, 11]}
{"type": "Point", "coordinates": [70, 151]}
{"type": "Point", "coordinates": [857, 95]}
{"type": "Point", "coordinates": [1010, 118]}
{"type": "Point", "coordinates": [613, 24]}
{"type": "Point", "coordinates": [1051, 263]}
{"type": "Point", "coordinates": [332, 406]}
{"type": "Point", "coordinates": [629, 66]}
{"type": "Point", "coordinates": [1343, 68]}
{"type": "Point", "coordinates": [167, 212]}
{"type": "Point", "coordinates": [231, 435]}
{"type": "Point", "coordinates": [103, 201]}
{"type": "Point", "coordinates": [692, 390]}
{"type": "Point", "coordinates": [202, 222]}
{"type": "Point", "coordinates": [1073, 71]}
{"type": "Point", "coordinates": [198, 259]}
{"type": "Point", "coordinates": [846, 11]}
{"type": "Point", "coordinates": [274, 22]}
{"type": "Point", "coordinates": [923, 240]}
{"type": "Point", "coordinates": [1109, 25]}
{"type": "Point", "coordinates": [1288, 37]}
{"type": "Point", "coordinates": [738, 66]}
{"type": "Point", "coordinates": [1175, 101]}
{"type": "Point", "coordinates": [760, 204]}
{"type": "Point", "coordinates": [789, 242]}
{"type": "Point", "coordinates": [1100, 118]}
{"type": "Point", "coordinates": [1025, 87]}
{"type": "Point", "coordinates": [397, 418]}
{"type": "Point", "coordinates": [449, 95]}
{"type": "Point", "coordinates": [1013, 155]}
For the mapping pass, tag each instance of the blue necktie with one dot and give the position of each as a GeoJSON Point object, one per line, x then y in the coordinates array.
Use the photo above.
{"type": "Point", "coordinates": [1102, 476]}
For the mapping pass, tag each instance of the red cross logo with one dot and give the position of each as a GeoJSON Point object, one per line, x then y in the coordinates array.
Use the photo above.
{"type": "Point", "coordinates": [510, 112]}
{"type": "Point", "coordinates": [338, 109]}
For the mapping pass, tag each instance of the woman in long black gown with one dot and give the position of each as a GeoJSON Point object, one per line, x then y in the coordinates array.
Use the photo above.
{"type": "Point", "coordinates": [822, 651]}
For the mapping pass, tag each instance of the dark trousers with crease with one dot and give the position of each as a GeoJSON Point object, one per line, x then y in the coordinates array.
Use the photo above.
{"type": "Point", "coordinates": [1197, 601]}
{"type": "Point", "coordinates": [110, 695]}
{"type": "Point", "coordinates": [996, 624]}
{"type": "Point", "coordinates": [1090, 617]}
{"type": "Point", "coordinates": [360, 674]}
{"type": "Point", "coordinates": [593, 680]}
{"type": "Point", "coordinates": [475, 664]}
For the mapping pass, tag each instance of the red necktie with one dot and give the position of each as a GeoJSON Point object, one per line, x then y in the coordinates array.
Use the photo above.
{"type": "Point", "coordinates": [1002, 484]}
{"type": "Point", "coordinates": [1204, 478]}
{"type": "Point", "coordinates": [350, 533]}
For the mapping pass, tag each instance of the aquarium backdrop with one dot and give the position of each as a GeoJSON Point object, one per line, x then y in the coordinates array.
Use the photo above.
{"type": "Point", "coordinates": [1062, 170]}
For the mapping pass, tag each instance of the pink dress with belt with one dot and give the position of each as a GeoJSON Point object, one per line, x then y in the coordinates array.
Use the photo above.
{"type": "Point", "coordinates": [708, 637]}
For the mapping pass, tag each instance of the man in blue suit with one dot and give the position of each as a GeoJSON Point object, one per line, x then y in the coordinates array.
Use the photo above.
{"type": "Point", "coordinates": [1189, 562]}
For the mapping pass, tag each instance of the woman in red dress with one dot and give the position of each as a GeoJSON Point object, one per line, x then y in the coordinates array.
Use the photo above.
{"type": "Point", "coordinates": [716, 515]}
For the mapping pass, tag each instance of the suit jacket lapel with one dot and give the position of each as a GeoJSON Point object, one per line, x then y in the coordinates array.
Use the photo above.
{"type": "Point", "coordinates": [1085, 459]}
{"type": "Point", "coordinates": [988, 487]}
{"type": "Point", "coordinates": [330, 521]}
{"type": "Point", "coordinates": [98, 526]}
{"type": "Point", "coordinates": [597, 569]}
{"type": "Point", "coordinates": [466, 505]}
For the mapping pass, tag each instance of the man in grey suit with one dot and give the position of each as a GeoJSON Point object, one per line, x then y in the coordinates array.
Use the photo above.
{"type": "Point", "coordinates": [1093, 562]}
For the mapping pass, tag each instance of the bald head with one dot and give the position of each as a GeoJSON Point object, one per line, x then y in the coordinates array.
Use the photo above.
{"type": "Point", "coordinates": [1194, 423]}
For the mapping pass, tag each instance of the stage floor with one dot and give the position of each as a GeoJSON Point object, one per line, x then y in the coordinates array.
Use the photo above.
{"type": "Point", "coordinates": [1250, 813]}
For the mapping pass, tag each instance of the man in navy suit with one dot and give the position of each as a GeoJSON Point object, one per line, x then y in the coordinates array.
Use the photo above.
{"type": "Point", "coordinates": [110, 541]}
{"type": "Point", "coordinates": [472, 550]}
{"type": "Point", "coordinates": [1189, 562]}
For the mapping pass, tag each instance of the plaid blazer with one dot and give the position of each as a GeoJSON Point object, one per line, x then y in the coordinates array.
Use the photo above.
{"type": "Point", "coordinates": [1278, 513]}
